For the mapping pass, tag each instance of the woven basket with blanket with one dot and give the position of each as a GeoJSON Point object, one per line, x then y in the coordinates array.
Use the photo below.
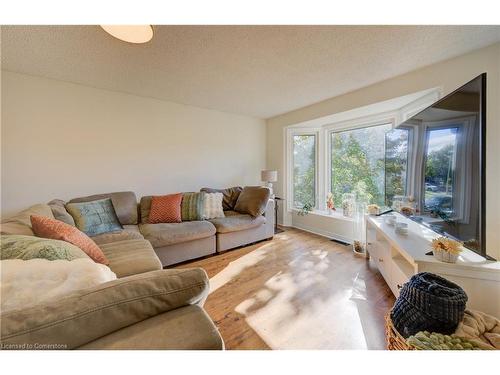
{"type": "Point", "coordinates": [430, 313]}
{"type": "Point", "coordinates": [428, 302]}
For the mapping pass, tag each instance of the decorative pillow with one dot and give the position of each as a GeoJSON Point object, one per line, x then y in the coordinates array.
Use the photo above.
{"type": "Point", "coordinates": [166, 209]}
{"type": "Point", "coordinates": [51, 228]}
{"type": "Point", "coordinates": [192, 206]}
{"type": "Point", "coordinates": [16, 246]}
{"type": "Point", "coordinates": [95, 217]}
{"type": "Point", "coordinates": [213, 206]}
{"type": "Point", "coordinates": [253, 200]}
{"type": "Point", "coordinates": [230, 196]}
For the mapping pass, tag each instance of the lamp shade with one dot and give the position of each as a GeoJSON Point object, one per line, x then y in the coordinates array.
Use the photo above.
{"type": "Point", "coordinates": [269, 176]}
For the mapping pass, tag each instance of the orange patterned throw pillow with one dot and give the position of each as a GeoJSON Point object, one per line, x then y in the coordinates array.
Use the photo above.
{"type": "Point", "coordinates": [46, 227]}
{"type": "Point", "coordinates": [165, 209]}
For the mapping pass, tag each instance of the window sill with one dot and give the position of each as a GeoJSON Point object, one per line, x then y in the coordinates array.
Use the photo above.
{"type": "Point", "coordinates": [334, 215]}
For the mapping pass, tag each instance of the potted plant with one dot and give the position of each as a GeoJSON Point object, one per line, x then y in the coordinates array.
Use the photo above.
{"type": "Point", "coordinates": [306, 208]}
{"type": "Point", "coordinates": [446, 249]}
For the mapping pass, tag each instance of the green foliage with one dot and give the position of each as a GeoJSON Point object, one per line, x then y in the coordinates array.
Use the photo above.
{"type": "Point", "coordinates": [395, 164]}
{"type": "Point", "coordinates": [438, 165]}
{"type": "Point", "coordinates": [352, 171]}
{"type": "Point", "coordinates": [304, 170]}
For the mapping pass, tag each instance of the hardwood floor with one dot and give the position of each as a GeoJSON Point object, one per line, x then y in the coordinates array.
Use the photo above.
{"type": "Point", "coordinates": [297, 291]}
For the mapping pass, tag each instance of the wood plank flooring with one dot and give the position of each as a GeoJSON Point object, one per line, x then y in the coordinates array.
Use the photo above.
{"type": "Point", "coordinates": [297, 291]}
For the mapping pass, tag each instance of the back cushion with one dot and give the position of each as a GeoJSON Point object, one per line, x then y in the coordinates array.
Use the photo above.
{"type": "Point", "coordinates": [145, 208]}
{"type": "Point", "coordinates": [253, 200]}
{"type": "Point", "coordinates": [58, 208]}
{"type": "Point", "coordinates": [21, 224]}
{"type": "Point", "coordinates": [165, 209]}
{"type": "Point", "coordinates": [230, 196]}
{"type": "Point", "coordinates": [125, 204]}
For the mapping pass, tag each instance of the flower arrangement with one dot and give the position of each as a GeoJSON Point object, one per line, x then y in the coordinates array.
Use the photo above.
{"type": "Point", "coordinates": [329, 202]}
{"type": "Point", "coordinates": [373, 209]}
{"type": "Point", "coordinates": [446, 249]}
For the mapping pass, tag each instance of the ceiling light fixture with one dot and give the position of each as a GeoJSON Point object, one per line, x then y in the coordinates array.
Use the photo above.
{"type": "Point", "coordinates": [130, 33]}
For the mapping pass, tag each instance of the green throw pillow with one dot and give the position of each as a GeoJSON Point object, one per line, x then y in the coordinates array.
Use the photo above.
{"type": "Point", "coordinates": [192, 206]}
{"type": "Point", "coordinates": [95, 217]}
{"type": "Point", "coordinates": [16, 246]}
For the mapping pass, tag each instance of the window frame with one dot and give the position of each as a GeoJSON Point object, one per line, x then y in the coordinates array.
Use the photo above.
{"type": "Point", "coordinates": [291, 133]}
{"type": "Point", "coordinates": [321, 128]}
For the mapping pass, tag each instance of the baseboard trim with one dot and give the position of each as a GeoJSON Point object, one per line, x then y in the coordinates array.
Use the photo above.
{"type": "Point", "coordinates": [329, 235]}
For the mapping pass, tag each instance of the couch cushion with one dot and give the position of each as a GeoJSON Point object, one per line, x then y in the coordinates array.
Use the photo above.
{"type": "Point", "coordinates": [145, 208]}
{"type": "Point", "coordinates": [234, 222]}
{"type": "Point", "coordinates": [129, 232]}
{"type": "Point", "coordinates": [21, 223]}
{"type": "Point", "coordinates": [58, 207]}
{"type": "Point", "coordinates": [185, 328]}
{"type": "Point", "coordinates": [85, 315]}
{"type": "Point", "coordinates": [131, 257]}
{"type": "Point", "coordinates": [124, 202]}
{"type": "Point", "coordinates": [230, 195]}
{"type": "Point", "coordinates": [253, 200]}
{"type": "Point", "coordinates": [165, 234]}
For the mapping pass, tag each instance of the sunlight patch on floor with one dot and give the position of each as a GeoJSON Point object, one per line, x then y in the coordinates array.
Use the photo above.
{"type": "Point", "coordinates": [283, 324]}
{"type": "Point", "coordinates": [238, 266]}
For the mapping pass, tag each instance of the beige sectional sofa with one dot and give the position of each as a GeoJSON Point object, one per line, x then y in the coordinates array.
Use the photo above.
{"type": "Point", "coordinates": [175, 242]}
{"type": "Point", "coordinates": [147, 307]}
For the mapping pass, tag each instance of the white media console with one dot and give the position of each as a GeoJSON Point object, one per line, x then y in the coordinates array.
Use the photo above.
{"type": "Point", "coordinates": [398, 257]}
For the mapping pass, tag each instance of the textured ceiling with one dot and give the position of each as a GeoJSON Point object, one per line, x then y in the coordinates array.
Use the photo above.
{"type": "Point", "coordinates": [260, 71]}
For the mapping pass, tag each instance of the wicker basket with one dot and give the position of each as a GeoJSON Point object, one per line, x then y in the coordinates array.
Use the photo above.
{"type": "Point", "coordinates": [394, 340]}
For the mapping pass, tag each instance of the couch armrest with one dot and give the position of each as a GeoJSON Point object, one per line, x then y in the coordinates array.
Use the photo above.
{"type": "Point", "coordinates": [91, 313]}
{"type": "Point", "coordinates": [270, 218]}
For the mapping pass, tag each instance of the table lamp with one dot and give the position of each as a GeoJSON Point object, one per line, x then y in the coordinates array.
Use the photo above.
{"type": "Point", "coordinates": [269, 177]}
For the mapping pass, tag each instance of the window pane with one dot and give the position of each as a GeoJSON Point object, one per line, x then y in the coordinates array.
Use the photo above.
{"type": "Point", "coordinates": [439, 171]}
{"type": "Point", "coordinates": [396, 163]}
{"type": "Point", "coordinates": [357, 163]}
{"type": "Point", "coordinates": [304, 170]}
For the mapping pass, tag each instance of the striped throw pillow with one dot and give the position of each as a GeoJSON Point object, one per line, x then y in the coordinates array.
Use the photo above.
{"type": "Point", "coordinates": [213, 206]}
{"type": "Point", "coordinates": [192, 206]}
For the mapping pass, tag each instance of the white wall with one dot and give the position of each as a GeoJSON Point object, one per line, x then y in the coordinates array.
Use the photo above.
{"type": "Point", "coordinates": [448, 75]}
{"type": "Point", "coordinates": [61, 140]}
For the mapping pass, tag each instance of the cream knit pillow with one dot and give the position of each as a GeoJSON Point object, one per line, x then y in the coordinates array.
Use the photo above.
{"type": "Point", "coordinates": [213, 206]}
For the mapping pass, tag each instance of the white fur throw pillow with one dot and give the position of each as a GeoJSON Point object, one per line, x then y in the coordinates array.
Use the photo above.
{"type": "Point", "coordinates": [213, 206]}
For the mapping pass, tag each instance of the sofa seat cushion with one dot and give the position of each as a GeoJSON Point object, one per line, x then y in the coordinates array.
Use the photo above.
{"type": "Point", "coordinates": [234, 222]}
{"type": "Point", "coordinates": [129, 232]}
{"type": "Point", "coordinates": [185, 328]}
{"type": "Point", "coordinates": [131, 257]}
{"type": "Point", "coordinates": [165, 234]}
